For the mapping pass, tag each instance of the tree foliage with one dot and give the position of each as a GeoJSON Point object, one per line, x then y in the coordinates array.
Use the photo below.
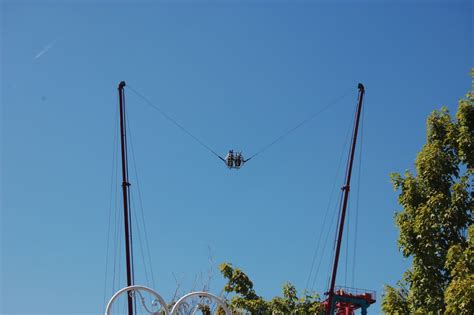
{"type": "Point", "coordinates": [459, 295]}
{"type": "Point", "coordinates": [437, 204]}
{"type": "Point", "coordinates": [244, 299]}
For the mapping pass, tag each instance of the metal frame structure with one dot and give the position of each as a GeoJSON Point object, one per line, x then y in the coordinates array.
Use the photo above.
{"type": "Point", "coordinates": [348, 300]}
{"type": "Point", "coordinates": [126, 193]}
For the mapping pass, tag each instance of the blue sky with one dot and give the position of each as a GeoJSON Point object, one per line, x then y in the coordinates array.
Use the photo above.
{"type": "Point", "coordinates": [237, 75]}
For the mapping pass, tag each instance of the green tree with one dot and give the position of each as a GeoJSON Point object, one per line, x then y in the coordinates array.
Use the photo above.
{"type": "Point", "coordinates": [437, 211]}
{"type": "Point", "coordinates": [244, 297]}
{"type": "Point", "coordinates": [459, 295]}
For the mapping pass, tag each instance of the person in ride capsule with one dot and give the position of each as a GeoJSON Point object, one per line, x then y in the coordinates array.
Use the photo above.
{"type": "Point", "coordinates": [229, 159]}
{"type": "Point", "coordinates": [238, 160]}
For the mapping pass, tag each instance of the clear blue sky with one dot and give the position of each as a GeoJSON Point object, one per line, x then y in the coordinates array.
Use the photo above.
{"type": "Point", "coordinates": [236, 74]}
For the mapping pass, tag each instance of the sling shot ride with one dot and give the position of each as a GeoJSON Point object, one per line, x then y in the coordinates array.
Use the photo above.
{"type": "Point", "coordinates": [234, 160]}
{"type": "Point", "coordinates": [340, 300]}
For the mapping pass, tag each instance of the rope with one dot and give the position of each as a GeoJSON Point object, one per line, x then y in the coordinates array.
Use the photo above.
{"type": "Point", "coordinates": [118, 225]}
{"type": "Point", "coordinates": [125, 129]}
{"type": "Point", "coordinates": [141, 209]}
{"type": "Point", "coordinates": [357, 197]}
{"type": "Point", "coordinates": [142, 215]}
{"type": "Point", "coordinates": [346, 224]}
{"type": "Point", "coordinates": [346, 258]}
{"type": "Point", "coordinates": [115, 241]}
{"type": "Point", "coordinates": [132, 260]}
{"type": "Point", "coordinates": [338, 206]}
{"type": "Point", "coordinates": [140, 243]}
{"type": "Point", "coordinates": [130, 225]}
{"type": "Point", "coordinates": [323, 251]}
{"type": "Point", "coordinates": [327, 211]}
{"type": "Point", "coordinates": [281, 137]}
{"type": "Point", "coordinates": [110, 208]}
{"type": "Point", "coordinates": [172, 120]}
{"type": "Point", "coordinates": [120, 240]}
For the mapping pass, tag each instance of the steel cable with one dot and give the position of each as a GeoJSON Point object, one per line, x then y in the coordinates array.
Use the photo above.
{"type": "Point", "coordinates": [263, 149]}
{"type": "Point", "coordinates": [111, 198]}
{"type": "Point", "coordinates": [327, 211]}
{"type": "Point", "coordinates": [357, 198]}
{"type": "Point", "coordinates": [300, 124]}
{"type": "Point", "coordinates": [172, 120]}
{"type": "Point", "coordinates": [141, 211]}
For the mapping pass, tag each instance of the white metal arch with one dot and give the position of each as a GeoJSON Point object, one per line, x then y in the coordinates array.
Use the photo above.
{"type": "Point", "coordinates": [164, 306]}
{"type": "Point", "coordinates": [215, 298]}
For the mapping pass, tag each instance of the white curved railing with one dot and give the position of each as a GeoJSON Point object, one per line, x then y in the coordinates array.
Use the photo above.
{"type": "Point", "coordinates": [137, 288]}
{"type": "Point", "coordinates": [200, 294]}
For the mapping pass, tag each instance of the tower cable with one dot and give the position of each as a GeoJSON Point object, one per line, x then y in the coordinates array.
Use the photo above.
{"type": "Point", "coordinates": [140, 203]}
{"type": "Point", "coordinates": [140, 214]}
{"type": "Point", "coordinates": [323, 226]}
{"type": "Point", "coordinates": [358, 197]}
{"type": "Point", "coordinates": [111, 198]}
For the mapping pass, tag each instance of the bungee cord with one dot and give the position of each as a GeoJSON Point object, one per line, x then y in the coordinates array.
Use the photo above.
{"type": "Point", "coordinates": [300, 124]}
{"type": "Point", "coordinates": [237, 160]}
{"type": "Point", "coordinates": [172, 120]}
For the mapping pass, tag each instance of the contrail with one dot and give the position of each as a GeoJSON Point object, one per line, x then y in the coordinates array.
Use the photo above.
{"type": "Point", "coordinates": [45, 49]}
